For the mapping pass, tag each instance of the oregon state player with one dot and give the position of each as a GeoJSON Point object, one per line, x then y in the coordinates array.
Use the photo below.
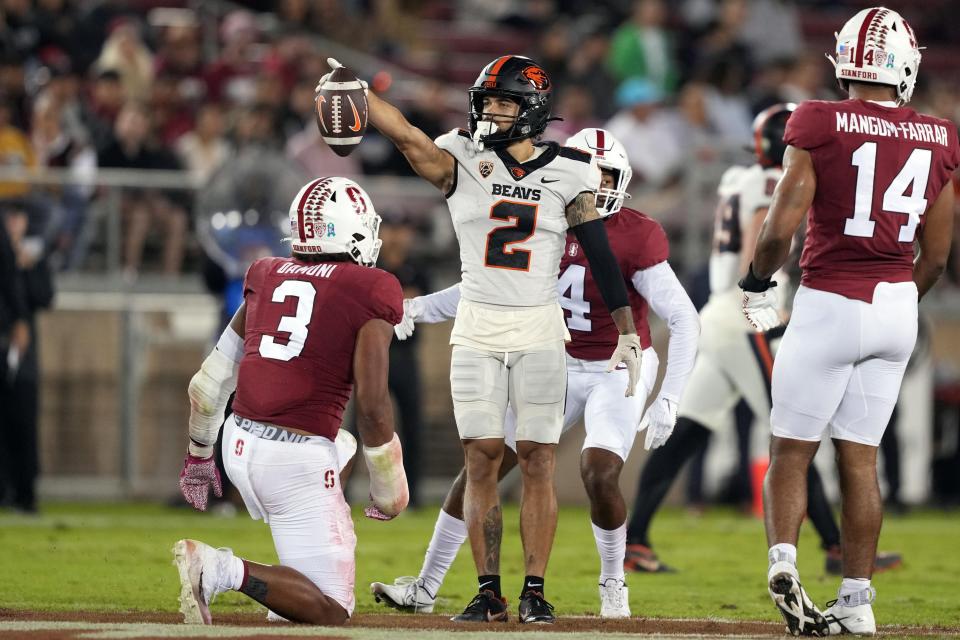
{"type": "Point", "coordinates": [312, 329]}
{"type": "Point", "coordinates": [875, 177]}
{"type": "Point", "coordinates": [512, 201]}
{"type": "Point", "coordinates": [640, 246]}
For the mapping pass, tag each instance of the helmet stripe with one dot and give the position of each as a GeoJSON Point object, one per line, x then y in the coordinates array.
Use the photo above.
{"type": "Point", "coordinates": [862, 36]}
{"type": "Point", "coordinates": [601, 143]}
{"type": "Point", "coordinates": [496, 66]}
{"type": "Point", "coordinates": [303, 200]}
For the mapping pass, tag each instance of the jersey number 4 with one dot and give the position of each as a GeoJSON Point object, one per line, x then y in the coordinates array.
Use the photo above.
{"type": "Point", "coordinates": [500, 253]}
{"type": "Point", "coordinates": [570, 286]}
{"type": "Point", "coordinates": [296, 325]}
{"type": "Point", "coordinates": [916, 170]}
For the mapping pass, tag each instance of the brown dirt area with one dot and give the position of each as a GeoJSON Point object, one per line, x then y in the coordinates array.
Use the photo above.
{"type": "Point", "coordinates": [438, 622]}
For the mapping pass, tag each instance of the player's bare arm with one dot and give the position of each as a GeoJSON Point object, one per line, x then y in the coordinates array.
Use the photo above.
{"type": "Point", "coordinates": [374, 415]}
{"type": "Point", "coordinates": [430, 162]}
{"type": "Point", "coordinates": [239, 320]}
{"type": "Point", "coordinates": [791, 201]}
{"type": "Point", "coordinates": [935, 241]}
{"type": "Point", "coordinates": [371, 363]}
{"type": "Point", "coordinates": [749, 239]}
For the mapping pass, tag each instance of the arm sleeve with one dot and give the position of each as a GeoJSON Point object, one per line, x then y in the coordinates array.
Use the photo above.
{"type": "Point", "coordinates": [660, 288]}
{"type": "Point", "coordinates": [439, 306]}
{"type": "Point", "coordinates": [592, 236]}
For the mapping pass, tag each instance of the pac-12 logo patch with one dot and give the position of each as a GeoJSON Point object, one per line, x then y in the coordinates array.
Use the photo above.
{"type": "Point", "coordinates": [486, 168]}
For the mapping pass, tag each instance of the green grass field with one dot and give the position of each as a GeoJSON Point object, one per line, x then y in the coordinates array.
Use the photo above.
{"type": "Point", "coordinates": [116, 557]}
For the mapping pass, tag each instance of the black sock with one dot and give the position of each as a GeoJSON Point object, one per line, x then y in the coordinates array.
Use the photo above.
{"type": "Point", "coordinates": [532, 583]}
{"type": "Point", "coordinates": [490, 583]}
{"type": "Point", "coordinates": [659, 472]}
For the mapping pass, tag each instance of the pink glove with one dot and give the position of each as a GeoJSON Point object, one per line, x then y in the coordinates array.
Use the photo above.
{"type": "Point", "coordinates": [196, 478]}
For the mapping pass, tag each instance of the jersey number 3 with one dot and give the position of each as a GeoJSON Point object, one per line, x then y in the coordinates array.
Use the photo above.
{"type": "Point", "coordinates": [296, 325]}
{"type": "Point", "coordinates": [916, 171]}
{"type": "Point", "coordinates": [500, 253]}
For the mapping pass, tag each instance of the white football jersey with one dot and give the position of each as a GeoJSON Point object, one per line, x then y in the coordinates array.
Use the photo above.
{"type": "Point", "coordinates": [742, 191]}
{"type": "Point", "coordinates": [510, 218]}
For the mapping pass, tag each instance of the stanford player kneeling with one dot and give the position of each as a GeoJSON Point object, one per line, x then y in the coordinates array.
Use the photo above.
{"type": "Point", "coordinates": [311, 328]}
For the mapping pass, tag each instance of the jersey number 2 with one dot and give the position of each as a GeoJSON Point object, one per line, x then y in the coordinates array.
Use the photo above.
{"type": "Point", "coordinates": [916, 170]}
{"type": "Point", "coordinates": [500, 254]}
{"type": "Point", "coordinates": [296, 325]}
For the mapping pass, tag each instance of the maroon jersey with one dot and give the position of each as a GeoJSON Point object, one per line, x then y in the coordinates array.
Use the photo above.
{"type": "Point", "coordinates": [301, 329]}
{"type": "Point", "coordinates": [878, 170]}
{"type": "Point", "coordinates": [638, 242]}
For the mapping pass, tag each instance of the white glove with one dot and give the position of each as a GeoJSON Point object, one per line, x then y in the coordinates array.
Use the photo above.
{"type": "Point", "coordinates": [761, 309]}
{"type": "Point", "coordinates": [412, 311]}
{"type": "Point", "coordinates": [334, 64]}
{"type": "Point", "coordinates": [627, 352]}
{"type": "Point", "coordinates": [659, 421]}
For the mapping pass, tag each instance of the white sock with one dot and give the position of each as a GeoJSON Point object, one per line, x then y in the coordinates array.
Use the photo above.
{"type": "Point", "coordinates": [612, 546]}
{"type": "Point", "coordinates": [449, 534]}
{"type": "Point", "coordinates": [782, 552]}
{"type": "Point", "coordinates": [234, 577]}
{"type": "Point", "coordinates": [855, 591]}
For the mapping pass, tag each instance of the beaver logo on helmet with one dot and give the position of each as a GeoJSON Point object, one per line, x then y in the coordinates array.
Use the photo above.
{"type": "Point", "coordinates": [538, 77]}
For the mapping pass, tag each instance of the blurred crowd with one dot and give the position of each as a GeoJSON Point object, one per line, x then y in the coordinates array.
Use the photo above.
{"type": "Point", "coordinates": [151, 85]}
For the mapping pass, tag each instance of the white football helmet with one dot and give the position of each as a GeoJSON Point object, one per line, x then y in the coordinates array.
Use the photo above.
{"type": "Point", "coordinates": [335, 215]}
{"type": "Point", "coordinates": [610, 155]}
{"type": "Point", "coordinates": [877, 45]}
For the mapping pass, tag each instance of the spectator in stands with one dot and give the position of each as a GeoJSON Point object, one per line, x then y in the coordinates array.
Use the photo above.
{"type": "Point", "coordinates": [16, 152]}
{"type": "Point", "coordinates": [398, 236]}
{"type": "Point", "coordinates": [107, 97]}
{"type": "Point", "coordinates": [254, 127]}
{"type": "Point", "coordinates": [316, 157]}
{"type": "Point", "coordinates": [172, 115]}
{"type": "Point", "coordinates": [13, 89]}
{"type": "Point", "coordinates": [203, 150]}
{"type": "Point", "coordinates": [232, 77]}
{"type": "Point", "coordinates": [125, 53]}
{"type": "Point", "coordinates": [643, 48]}
{"type": "Point", "coordinates": [648, 132]}
{"type": "Point", "coordinates": [300, 110]}
{"type": "Point", "coordinates": [575, 105]}
{"type": "Point", "coordinates": [19, 387]}
{"type": "Point", "coordinates": [56, 147]}
{"type": "Point", "coordinates": [20, 35]}
{"type": "Point", "coordinates": [181, 57]}
{"type": "Point", "coordinates": [805, 80]}
{"type": "Point", "coordinates": [721, 43]}
{"type": "Point", "coordinates": [588, 69]}
{"type": "Point", "coordinates": [131, 149]}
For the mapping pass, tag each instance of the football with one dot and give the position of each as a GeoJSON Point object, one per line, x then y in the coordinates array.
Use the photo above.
{"type": "Point", "coordinates": [342, 111]}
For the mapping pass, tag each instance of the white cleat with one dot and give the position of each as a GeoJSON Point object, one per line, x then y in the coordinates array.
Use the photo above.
{"type": "Point", "coordinates": [275, 617]}
{"type": "Point", "coordinates": [201, 569]}
{"type": "Point", "coordinates": [614, 599]}
{"type": "Point", "coordinates": [799, 612]}
{"type": "Point", "coordinates": [405, 594]}
{"type": "Point", "coordinates": [857, 620]}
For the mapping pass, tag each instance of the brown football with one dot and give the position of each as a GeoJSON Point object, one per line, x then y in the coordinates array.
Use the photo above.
{"type": "Point", "coordinates": [342, 112]}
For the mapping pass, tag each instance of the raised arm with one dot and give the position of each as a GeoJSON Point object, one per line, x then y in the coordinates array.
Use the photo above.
{"type": "Point", "coordinates": [935, 241]}
{"type": "Point", "coordinates": [430, 162]}
{"type": "Point", "coordinates": [374, 415]}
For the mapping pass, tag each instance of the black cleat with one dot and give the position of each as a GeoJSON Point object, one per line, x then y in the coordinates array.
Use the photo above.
{"type": "Point", "coordinates": [485, 607]}
{"type": "Point", "coordinates": [642, 559]}
{"type": "Point", "coordinates": [534, 609]}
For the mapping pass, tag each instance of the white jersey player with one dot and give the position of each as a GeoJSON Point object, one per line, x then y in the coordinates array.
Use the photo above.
{"type": "Point", "coordinates": [611, 419]}
{"type": "Point", "coordinates": [512, 202]}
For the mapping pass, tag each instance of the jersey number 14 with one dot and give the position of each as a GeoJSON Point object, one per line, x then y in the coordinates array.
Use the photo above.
{"type": "Point", "coordinates": [916, 170]}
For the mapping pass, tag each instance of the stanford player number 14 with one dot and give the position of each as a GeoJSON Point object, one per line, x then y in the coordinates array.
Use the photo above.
{"type": "Point", "coordinates": [915, 171]}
